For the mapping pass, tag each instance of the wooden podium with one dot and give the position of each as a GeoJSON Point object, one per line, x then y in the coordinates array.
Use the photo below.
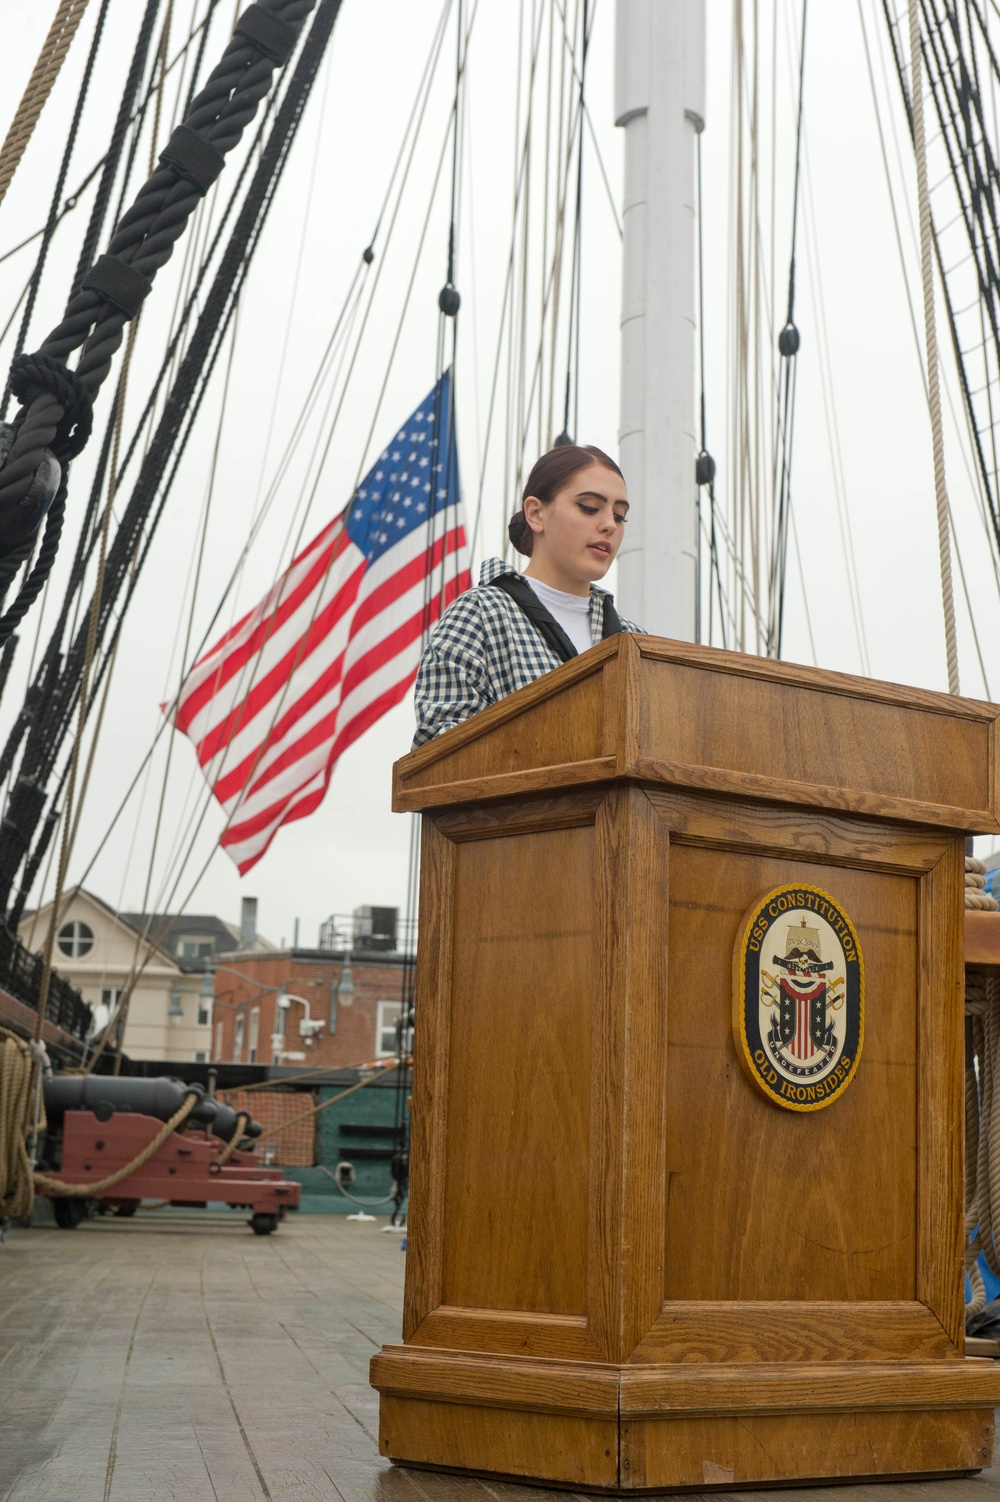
{"type": "Point", "coordinates": [627, 1267]}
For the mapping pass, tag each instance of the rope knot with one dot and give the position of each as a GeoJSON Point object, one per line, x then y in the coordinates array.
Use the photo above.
{"type": "Point", "coordinates": [30, 375]}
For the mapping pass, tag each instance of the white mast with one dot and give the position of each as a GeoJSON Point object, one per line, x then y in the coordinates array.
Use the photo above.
{"type": "Point", "coordinates": [659, 99]}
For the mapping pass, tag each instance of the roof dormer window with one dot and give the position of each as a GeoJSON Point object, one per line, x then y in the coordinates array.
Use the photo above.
{"type": "Point", "coordinates": [194, 947]}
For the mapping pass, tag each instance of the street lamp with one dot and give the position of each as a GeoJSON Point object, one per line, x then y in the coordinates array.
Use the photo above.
{"type": "Point", "coordinates": [345, 985]}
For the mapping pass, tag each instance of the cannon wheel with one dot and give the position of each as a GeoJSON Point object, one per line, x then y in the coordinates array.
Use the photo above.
{"type": "Point", "coordinates": [69, 1211]}
{"type": "Point", "coordinates": [263, 1223]}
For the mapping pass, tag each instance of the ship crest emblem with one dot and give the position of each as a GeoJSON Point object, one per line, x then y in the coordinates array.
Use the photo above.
{"type": "Point", "coordinates": [798, 998]}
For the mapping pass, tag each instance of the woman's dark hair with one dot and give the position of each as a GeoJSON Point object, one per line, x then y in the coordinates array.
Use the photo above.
{"type": "Point", "coordinates": [549, 475]}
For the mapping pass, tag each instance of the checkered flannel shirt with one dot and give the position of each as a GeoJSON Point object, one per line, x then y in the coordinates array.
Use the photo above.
{"type": "Point", "coordinates": [482, 649]}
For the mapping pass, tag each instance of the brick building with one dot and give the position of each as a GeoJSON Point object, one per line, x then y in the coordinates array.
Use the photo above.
{"type": "Point", "coordinates": [307, 1007]}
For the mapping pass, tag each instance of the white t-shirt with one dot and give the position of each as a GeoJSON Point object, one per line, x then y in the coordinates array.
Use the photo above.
{"type": "Point", "coordinates": [571, 611]}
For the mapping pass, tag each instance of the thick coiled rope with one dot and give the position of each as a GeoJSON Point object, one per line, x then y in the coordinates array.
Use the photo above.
{"type": "Point", "coordinates": [21, 1065]}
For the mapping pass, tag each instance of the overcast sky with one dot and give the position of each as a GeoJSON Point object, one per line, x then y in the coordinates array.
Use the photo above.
{"type": "Point", "coordinates": [858, 375]}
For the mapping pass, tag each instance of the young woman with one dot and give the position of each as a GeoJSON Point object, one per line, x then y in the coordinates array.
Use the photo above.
{"type": "Point", "coordinates": [513, 627]}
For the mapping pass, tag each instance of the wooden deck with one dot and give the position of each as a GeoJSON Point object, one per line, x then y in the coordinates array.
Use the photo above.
{"type": "Point", "coordinates": [176, 1356]}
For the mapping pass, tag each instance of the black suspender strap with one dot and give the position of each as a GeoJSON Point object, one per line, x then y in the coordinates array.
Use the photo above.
{"type": "Point", "coordinates": [544, 621]}
{"type": "Point", "coordinates": [612, 620]}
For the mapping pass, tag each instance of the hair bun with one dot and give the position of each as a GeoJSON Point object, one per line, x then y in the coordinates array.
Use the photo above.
{"type": "Point", "coordinates": [519, 532]}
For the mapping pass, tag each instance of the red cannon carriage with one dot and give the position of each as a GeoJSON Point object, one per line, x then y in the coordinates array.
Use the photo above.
{"type": "Point", "coordinates": [98, 1127]}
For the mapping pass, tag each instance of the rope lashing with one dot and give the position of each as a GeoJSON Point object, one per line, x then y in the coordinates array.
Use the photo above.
{"type": "Point", "coordinates": [52, 413]}
{"type": "Point", "coordinates": [242, 1121]}
{"type": "Point", "coordinates": [33, 375]}
{"type": "Point", "coordinates": [119, 284]}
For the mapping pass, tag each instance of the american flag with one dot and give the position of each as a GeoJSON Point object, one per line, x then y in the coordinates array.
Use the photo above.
{"type": "Point", "coordinates": [337, 640]}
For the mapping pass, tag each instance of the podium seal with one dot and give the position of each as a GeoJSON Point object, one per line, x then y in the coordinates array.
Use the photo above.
{"type": "Point", "coordinates": [799, 998]}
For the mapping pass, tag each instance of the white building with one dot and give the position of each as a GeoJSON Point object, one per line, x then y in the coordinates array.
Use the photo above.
{"type": "Point", "coordinates": [97, 950]}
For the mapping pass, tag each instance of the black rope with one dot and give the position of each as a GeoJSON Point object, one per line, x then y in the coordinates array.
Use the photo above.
{"type": "Point", "coordinates": [132, 541]}
{"type": "Point", "coordinates": [788, 348]}
{"type": "Point", "coordinates": [573, 340]}
{"type": "Point", "coordinates": [444, 424]}
{"type": "Point", "coordinates": [959, 145]}
{"type": "Point", "coordinates": [144, 240]}
{"type": "Point", "coordinates": [126, 105]}
{"type": "Point", "coordinates": [450, 306]}
{"type": "Point", "coordinates": [42, 688]}
{"type": "Point", "coordinates": [704, 471]}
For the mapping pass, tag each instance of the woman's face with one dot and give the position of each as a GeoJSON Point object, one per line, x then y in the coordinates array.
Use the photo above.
{"type": "Point", "coordinates": [580, 530]}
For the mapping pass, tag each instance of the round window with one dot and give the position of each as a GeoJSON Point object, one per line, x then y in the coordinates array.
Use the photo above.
{"type": "Point", "coordinates": [75, 939]}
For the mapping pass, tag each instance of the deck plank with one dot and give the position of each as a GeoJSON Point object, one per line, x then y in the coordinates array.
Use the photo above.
{"type": "Point", "coordinates": [174, 1355]}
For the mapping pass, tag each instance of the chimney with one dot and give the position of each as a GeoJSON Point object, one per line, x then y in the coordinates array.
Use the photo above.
{"type": "Point", "coordinates": [248, 923]}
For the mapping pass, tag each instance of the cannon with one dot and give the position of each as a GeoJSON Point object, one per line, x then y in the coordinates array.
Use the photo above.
{"type": "Point", "coordinates": [160, 1098]}
{"type": "Point", "coordinates": [97, 1127]}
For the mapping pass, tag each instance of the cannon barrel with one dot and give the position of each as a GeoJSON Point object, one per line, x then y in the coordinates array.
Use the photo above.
{"type": "Point", "coordinates": [159, 1098]}
{"type": "Point", "coordinates": [224, 1124]}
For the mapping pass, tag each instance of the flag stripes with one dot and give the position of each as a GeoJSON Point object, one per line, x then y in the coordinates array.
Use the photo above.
{"type": "Point", "coordinates": [335, 643]}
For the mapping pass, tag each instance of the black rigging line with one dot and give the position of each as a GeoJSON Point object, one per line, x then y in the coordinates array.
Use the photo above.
{"type": "Point", "coordinates": [47, 732]}
{"type": "Point", "coordinates": [130, 89]}
{"type": "Point", "coordinates": [956, 148]}
{"type": "Point", "coordinates": [573, 340]}
{"type": "Point", "coordinates": [788, 347]}
{"type": "Point", "coordinates": [449, 303]}
{"type": "Point", "coordinates": [57, 402]}
{"type": "Point", "coordinates": [44, 698]}
{"type": "Point", "coordinates": [90, 530]}
{"type": "Point", "coordinates": [704, 472]}
{"type": "Point", "coordinates": [416, 117]}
